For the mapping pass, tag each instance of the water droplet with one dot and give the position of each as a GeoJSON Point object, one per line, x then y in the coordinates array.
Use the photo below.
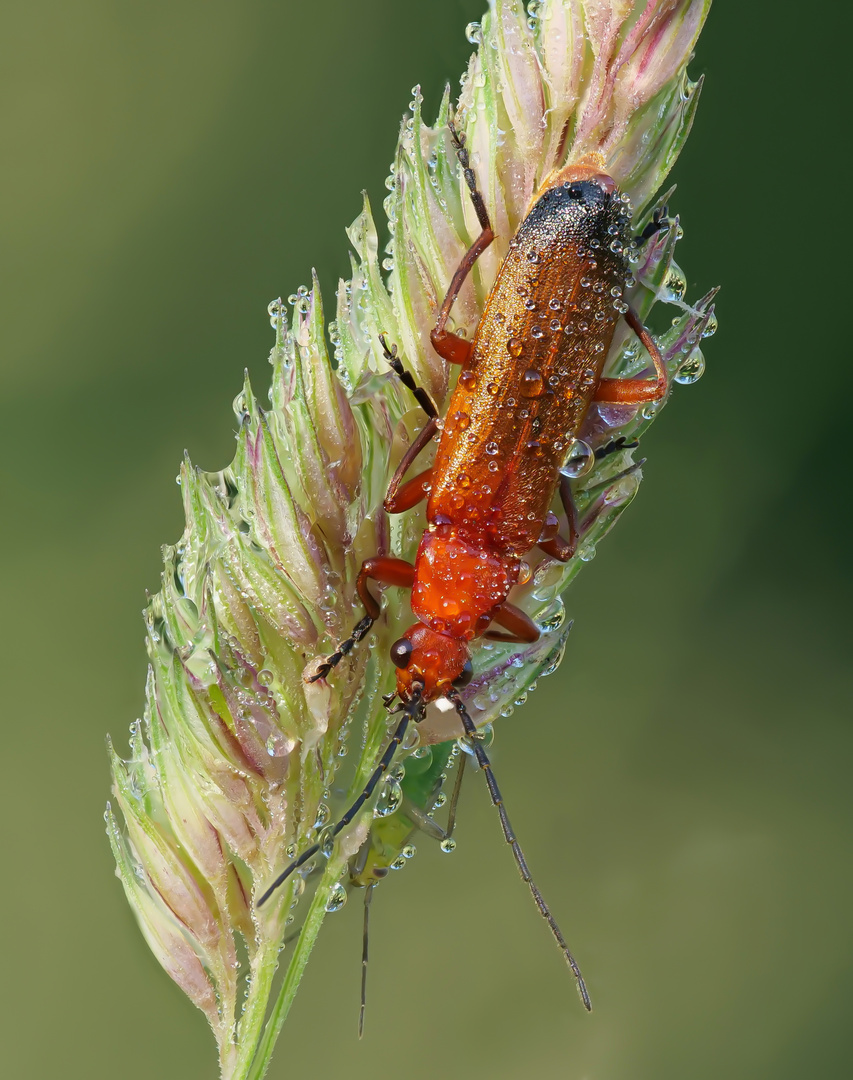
{"type": "Point", "coordinates": [579, 461]}
{"type": "Point", "coordinates": [692, 369]}
{"type": "Point", "coordinates": [532, 384]}
{"type": "Point", "coordinates": [326, 841]}
{"type": "Point", "coordinates": [474, 33]}
{"type": "Point", "coordinates": [265, 677]}
{"type": "Point", "coordinates": [409, 851]}
{"type": "Point", "coordinates": [390, 797]}
{"type": "Point", "coordinates": [546, 580]}
{"type": "Point", "coordinates": [337, 897]}
{"type": "Point", "coordinates": [322, 815]}
{"type": "Point", "coordinates": [462, 420]}
{"type": "Point", "coordinates": [675, 285]}
{"type": "Point", "coordinates": [447, 845]}
{"type": "Point", "coordinates": [711, 326]}
{"type": "Point", "coordinates": [468, 380]}
{"type": "Point", "coordinates": [554, 662]}
{"type": "Point", "coordinates": [552, 618]}
{"type": "Point", "coordinates": [514, 346]}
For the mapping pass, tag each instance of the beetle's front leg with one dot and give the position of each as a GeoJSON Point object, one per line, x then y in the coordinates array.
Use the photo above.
{"type": "Point", "coordinates": [387, 571]}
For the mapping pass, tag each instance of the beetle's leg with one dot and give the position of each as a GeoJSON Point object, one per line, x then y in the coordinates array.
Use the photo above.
{"type": "Point", "coordinates": [521, 627]}
{"type": "Point", "coordinates": [382, 568]}
{"type": "Point", "coordinates": [549, 529]}
{"type": "Point", "coordinates": [421, 396]}
{"type": "Point", "coordinates": [451, 347]}
{"type": "Point", "coordinates": [410, 494]}
{"type": "Point", "coordinates": [614, 446]}
{"type": "Point", "coordinates": [636, 391]}
{"type": "Point", "coordinates": [555, 546]}
{"type": "Point", "coordinates": [660, 221]}
{"type": "Point", "coordinates": [422, 821]}
{"type": "Point", "coordinates": [365, 938]}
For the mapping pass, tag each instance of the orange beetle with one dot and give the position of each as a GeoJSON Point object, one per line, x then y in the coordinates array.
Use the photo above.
{"type": "Point", "coordinates": [528, 378]}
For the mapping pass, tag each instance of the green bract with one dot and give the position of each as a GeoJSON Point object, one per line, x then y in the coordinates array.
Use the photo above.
{"type": "Point", "coordinates": [238, 763]}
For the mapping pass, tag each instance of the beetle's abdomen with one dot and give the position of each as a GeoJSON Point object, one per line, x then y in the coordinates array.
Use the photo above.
{"type": "Point", "coordinates": [536, 361]}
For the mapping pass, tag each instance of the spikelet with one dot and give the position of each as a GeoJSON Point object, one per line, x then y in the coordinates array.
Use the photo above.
{"type": "Point", "coordinates": [238, 763]}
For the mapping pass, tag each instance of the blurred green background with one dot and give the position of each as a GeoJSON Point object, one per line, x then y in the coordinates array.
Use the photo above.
{"type": "Point", "coordinates": [169, 169]}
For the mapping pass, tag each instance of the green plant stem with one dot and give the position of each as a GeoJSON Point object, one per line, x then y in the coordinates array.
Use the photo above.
{"type": "Point", "coordinates": [257, 1060]}
{"type": "Point", "coordinates": [252, 1020]}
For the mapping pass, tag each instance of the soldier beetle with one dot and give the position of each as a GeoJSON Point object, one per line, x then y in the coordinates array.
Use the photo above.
{"type": "Point", "coordinates": [528, 378]}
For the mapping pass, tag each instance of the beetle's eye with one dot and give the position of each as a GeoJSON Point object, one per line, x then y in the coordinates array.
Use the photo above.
{"type": "Point", "coordinates": [401, 652]}
{"type": "Point", "coordinates": [465, 675]}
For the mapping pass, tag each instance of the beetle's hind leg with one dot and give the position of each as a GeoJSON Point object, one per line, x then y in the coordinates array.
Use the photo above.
{"type": "Point", "coordinates": [636, 391]}
{"type": "Point", "coordinates": [614, 446]}
{"type": "Point", "coordinates": [660, 221]}
{"type": "Point", "coordinates": [556, 546]}
{"type": "Point", "coordinates": [521, 627]}
{"type": "Point", "coordinates": [451, 347]}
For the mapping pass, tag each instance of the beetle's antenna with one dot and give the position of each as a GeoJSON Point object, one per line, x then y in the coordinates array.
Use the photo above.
{"type": "Point", "coordinates": [368, 896]}
{"type": "Point", "coordinates": [412, 711]}
{"type": "Point", "coordinates": [509, 835]}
